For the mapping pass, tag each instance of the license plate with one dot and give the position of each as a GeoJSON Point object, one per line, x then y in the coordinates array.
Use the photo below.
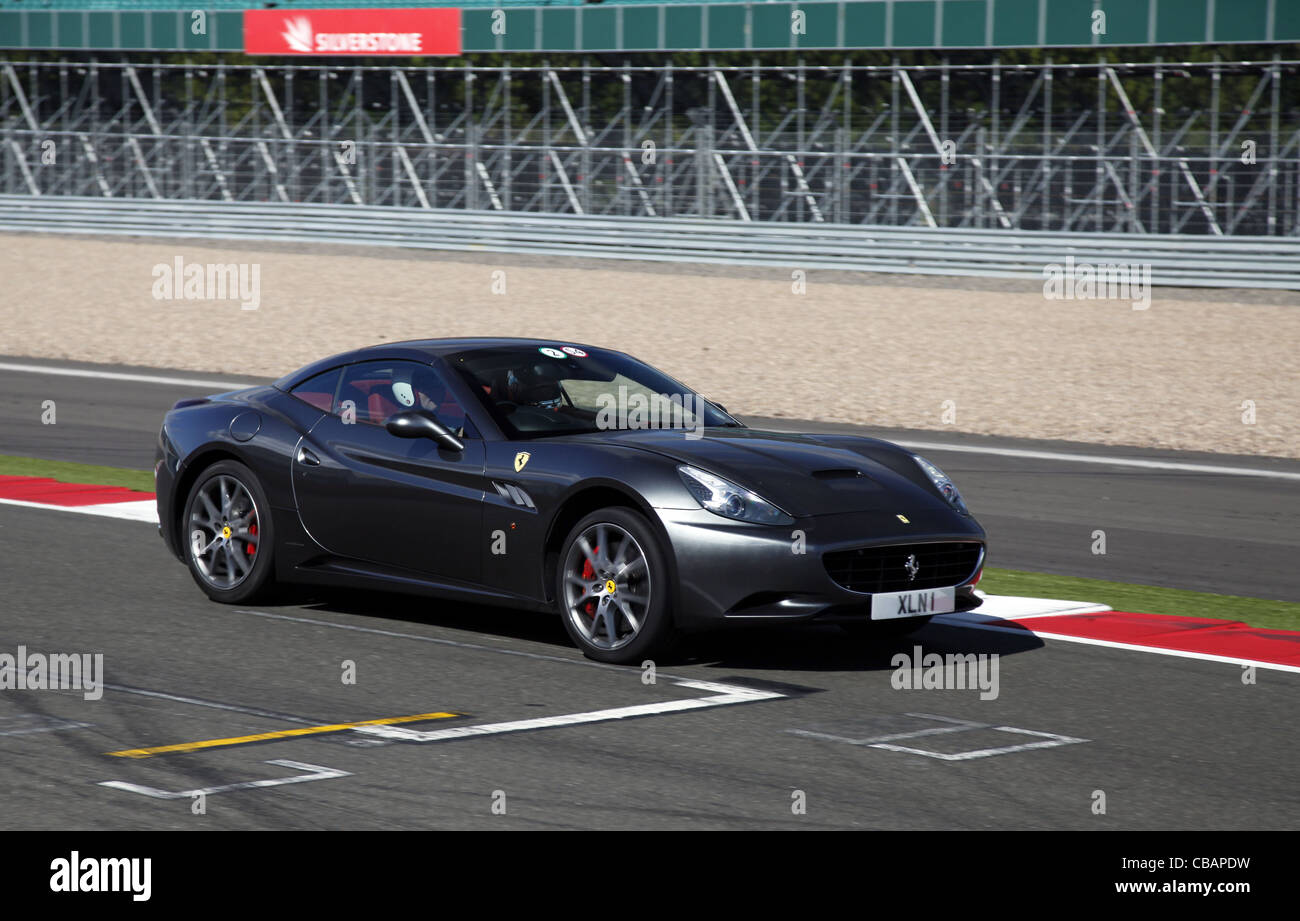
{"type": "Point", "coordinates": [913, 604]}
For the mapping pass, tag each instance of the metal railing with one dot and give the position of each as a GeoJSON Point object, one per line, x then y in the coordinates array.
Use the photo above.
{"type": "Point", "coordinates": [1077, 148]}
{"type": "Point", "coordinates": [1268, 262]}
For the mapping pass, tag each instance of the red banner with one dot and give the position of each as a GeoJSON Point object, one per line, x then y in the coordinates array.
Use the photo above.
{"type": "Point", "coordinates": [375, 31]}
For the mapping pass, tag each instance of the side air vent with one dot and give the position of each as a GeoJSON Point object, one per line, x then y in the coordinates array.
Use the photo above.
{"type": "Point", "coordinates": [514, 495]}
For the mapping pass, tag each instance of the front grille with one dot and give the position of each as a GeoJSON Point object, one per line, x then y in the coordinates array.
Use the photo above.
{"type": "Point", "coordinates": [884, 569]}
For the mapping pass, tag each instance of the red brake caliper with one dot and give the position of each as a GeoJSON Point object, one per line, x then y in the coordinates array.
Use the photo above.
{"type": "Point", "coordinates": [250, 548]}
{"type": "Point", "coordinates": [588, 574]}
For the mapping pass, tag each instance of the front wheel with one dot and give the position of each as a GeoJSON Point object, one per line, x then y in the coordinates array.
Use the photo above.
{"type": "Point", "coordinates": [228, 534]}
{"type": "Point", "coordinates": [613, 588]}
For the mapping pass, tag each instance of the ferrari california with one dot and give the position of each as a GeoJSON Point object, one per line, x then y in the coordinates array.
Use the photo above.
{"type": "Point", "coordinates": [562, 478]}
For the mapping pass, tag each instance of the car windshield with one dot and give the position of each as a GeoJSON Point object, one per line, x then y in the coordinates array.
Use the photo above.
{"type": "Point", "coordinates": [533, 391]}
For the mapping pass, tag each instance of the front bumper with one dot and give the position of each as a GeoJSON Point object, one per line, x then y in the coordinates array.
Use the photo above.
{"type": "Point", "coordinates": [731, 571]}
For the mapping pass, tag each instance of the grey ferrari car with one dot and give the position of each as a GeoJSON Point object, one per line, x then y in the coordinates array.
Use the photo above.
{"type": "Point", "coordinates": [558, 477]}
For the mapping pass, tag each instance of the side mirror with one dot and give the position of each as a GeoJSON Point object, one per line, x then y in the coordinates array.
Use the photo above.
{"type": "Point", "coordinates": [417, 423]}
{"type": "Point", "coordinates": [719, 405]}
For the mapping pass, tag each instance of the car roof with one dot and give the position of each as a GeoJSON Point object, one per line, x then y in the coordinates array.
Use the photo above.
{"type": "Point", "coordinates": [413, 350]}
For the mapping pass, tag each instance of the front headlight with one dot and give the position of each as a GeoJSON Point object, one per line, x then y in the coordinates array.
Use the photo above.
{"type": "Point", "coordinates": [729, 500]}
{"type": "Point", "coordinates": [943, 484]}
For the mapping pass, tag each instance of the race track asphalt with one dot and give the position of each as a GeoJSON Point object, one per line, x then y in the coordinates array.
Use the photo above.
{"type": "Point", "coordinates": [1169, 742]}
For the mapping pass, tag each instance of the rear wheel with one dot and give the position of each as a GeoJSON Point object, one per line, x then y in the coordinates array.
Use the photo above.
{"type": "Point", "coordinates": [613, 589]}
{"type": "Point", "coordinates": [228, 534]}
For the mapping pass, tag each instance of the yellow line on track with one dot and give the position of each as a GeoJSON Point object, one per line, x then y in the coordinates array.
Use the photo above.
{"type": "Point", "coordinates": [268, 736]}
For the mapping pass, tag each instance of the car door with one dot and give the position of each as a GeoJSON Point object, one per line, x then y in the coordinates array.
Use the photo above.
{"type": "Point", "coordinates": [370, 495]}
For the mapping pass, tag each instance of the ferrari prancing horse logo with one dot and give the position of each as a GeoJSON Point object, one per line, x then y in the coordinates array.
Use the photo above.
{"type": "Point", "coordinates": [902, 518]}
{"type": "Point", "coordinates": [520, 459]}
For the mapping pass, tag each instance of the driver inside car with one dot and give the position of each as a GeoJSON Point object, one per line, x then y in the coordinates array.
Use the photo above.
{"type": "Point", "coordinates": [423, 389]}
{"type": "Point", "coordinates": [535, 387]}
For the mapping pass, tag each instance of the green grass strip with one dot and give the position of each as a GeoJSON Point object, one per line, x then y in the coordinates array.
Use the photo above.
{"type": "Point", "coordinates": [1145, 599]}
{"type": "Point", "coordinates": [69, 472]}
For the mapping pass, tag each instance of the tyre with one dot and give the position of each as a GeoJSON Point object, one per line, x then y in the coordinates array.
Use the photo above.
{"type": "Point", "coordinates": [228, 534]}
{"type": "Point", "coordinates": [613, 588]}
{"type": "Point", "coordinates": [884, 630]}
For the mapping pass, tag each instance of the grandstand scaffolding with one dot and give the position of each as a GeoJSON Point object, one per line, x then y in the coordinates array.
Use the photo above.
{"type": "Point", "coordinates": [982, 145]}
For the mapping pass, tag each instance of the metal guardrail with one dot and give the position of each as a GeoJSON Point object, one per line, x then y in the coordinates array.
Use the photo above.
{"type": "Point", "coordinates": [1200, 261]}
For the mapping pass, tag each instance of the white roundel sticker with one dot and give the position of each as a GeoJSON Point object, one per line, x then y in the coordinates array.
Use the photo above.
{"type": "Point", "coordinates": [574, 351]}
{"type": "Point", "coordinates": [550, 352]}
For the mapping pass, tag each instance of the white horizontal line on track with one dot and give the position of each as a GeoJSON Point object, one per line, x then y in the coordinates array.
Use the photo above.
{"type": "Point", "coordinates": [1022, 453]}
{"type": "Point", "coordinates": [1108, 460]}
{"type": "Point", "coordinates": [720, 696]}
{"type": "Point", "coordinates": [145, 510]}
{"type": "Point", "coordinates": [120, 376]}
{"type": "Point", "coordinates": [313, 772]}
{"type": "Point", "coordinates": [886, 742]}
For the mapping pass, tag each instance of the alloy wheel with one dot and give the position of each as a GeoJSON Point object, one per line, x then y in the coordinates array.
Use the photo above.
{"type": "Point", "coordinates": [606, 586]}
{"type": "Point", "coordinates": [224, 532]}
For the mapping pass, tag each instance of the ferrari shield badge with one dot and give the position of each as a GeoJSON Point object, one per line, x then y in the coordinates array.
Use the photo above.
{"type": "Point", "coordinates": [520, 459]}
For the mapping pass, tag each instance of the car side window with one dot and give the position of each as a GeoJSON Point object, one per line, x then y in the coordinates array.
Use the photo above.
{"type": "Point", "coordinates": [372, 391]}
{"type": "Point", "coordinates": [318, 391]}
